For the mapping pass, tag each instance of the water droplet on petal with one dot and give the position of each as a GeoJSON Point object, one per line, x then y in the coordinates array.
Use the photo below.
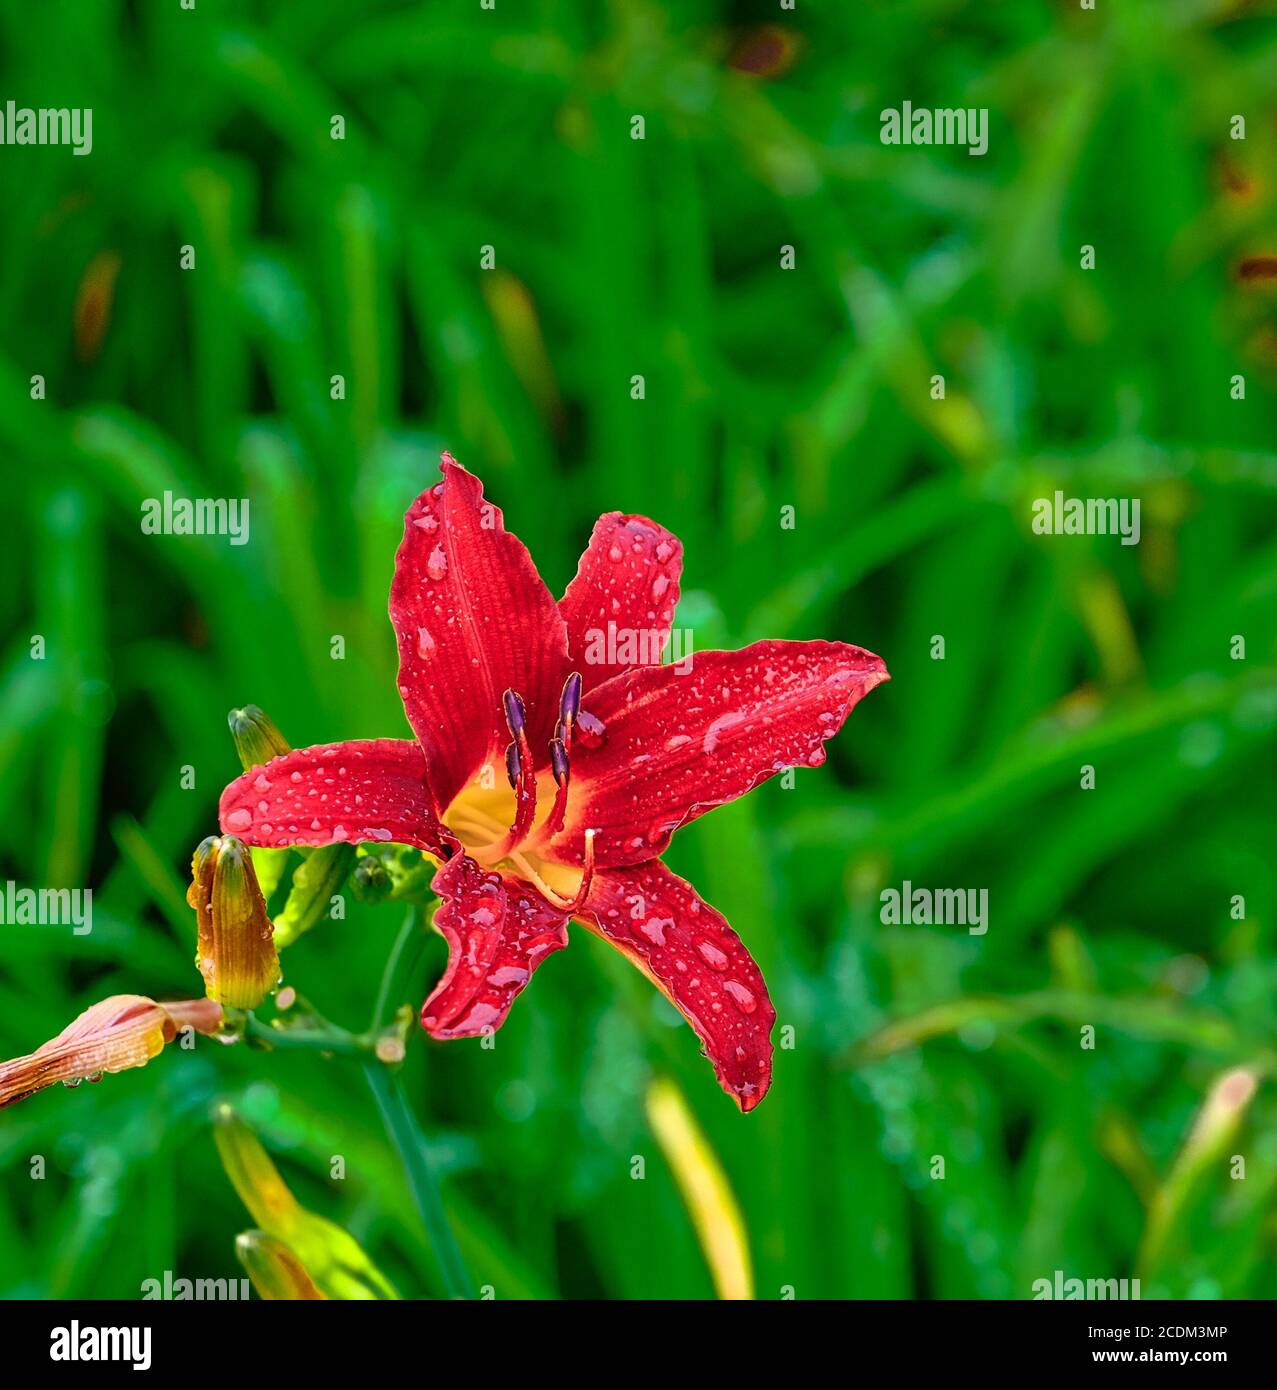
{"type": "Point", "coordinates": [740, 996]}
{"type": "Point", "coordinates": [653, 931]}
{"type": "Point", "coordinates": [437, 564]}
{"type": "Point", "coordinates": [425, 643]}
{"type": "Point", "coordinates": [662, 830]}
{"type": "Point", "coordinates": [711, 955]}
{"type": "Point", "coordinates": [239, 820]}
{"type": "Point", "coordinates": [591, 732]}
{"type": "Point", "coordinates": [717, 728]}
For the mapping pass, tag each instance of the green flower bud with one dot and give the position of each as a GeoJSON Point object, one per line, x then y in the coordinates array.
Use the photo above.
{"type": "Point", "coordinates": [269, 865]}
{"type": "Point", "coordinates": [257, 740]}
{"type": "Point", "coordinates": [277, 1273]}
{"type": "Point", "coordinates": [332, 1258]}
{"type": "Point", "coordinates": [371, 881]}
{"type": "Point", "coordinates": [315, 880]}
{"type": "Point", "coordinates": [390, 871]}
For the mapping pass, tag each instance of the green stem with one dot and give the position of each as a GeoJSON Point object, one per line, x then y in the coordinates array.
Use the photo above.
{"type": "Point", "coordinates": [392, 968]}
{"type": "Point", "coordinates": [401, 1124]}
{"type": "Point", "coordinates": [327, 1038]}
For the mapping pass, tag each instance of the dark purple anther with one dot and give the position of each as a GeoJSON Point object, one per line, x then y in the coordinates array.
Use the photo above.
{"type": "Point", "coordinates": [513, 764]}
{"type": "Point", "coordinates": [558, 761]}
{"type": "Point", "coordinates": [513, 713]}
{"type": "Point", "coordinates": [570, 700]}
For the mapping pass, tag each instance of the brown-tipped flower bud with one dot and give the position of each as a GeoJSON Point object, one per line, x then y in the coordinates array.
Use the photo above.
{"type": "Point", "coordinates": [237, 955]}
{"type": "Point", "coordinates": [257, 740]}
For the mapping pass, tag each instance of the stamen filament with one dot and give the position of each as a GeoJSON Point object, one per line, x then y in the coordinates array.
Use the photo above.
{"type": "Point", "coordinates": [553, 823]}
{"type": "Point", "coordinates": [569, 905]}
{"type": "Point", "coordinates": [498, 844]}
{"type": "Point", "coordinates": [525, 801]}
{"type": "Point", "coordinates": [521, 862]}
{"type": "Point", "coordinates": [587, 876]}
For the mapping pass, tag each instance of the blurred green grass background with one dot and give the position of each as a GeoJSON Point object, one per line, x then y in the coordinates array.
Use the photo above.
{"type": "Point", "coordinates": [765, 388]}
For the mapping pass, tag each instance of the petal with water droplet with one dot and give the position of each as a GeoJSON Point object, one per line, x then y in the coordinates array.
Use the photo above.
{"type": "Point", "coordinates": [630, 565]}
{"type": "Point", "coordinates": [380, 793]}
{"type": "Point", "coordinates": [498, 931]}
{"type": "Point", "coordinates": [659, 922]}
{"type": "Point", "coordinates": [678, 745]}
{"type": "Point", "coordinates": [471, 587]}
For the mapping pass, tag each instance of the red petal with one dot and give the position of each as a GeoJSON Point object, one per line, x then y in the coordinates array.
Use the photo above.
{"type": "Point", "coordinates": [498, 931]}
{"type": "Point", "coordinates": [619, 608]}
{"type": "Point", "coordinates": [473, 619]}
{"type": "Point", "coordinates": [675, 746]}
{"type": "Point", "coordinates": [368, 789]}
{"type": "Point", "coordinates": [688, 950]}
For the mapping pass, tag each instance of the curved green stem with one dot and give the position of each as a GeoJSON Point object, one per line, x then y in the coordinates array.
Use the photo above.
{"type": "Point", "coordinates": [401, 1124]}
{"type": "Point", "coordinates": [392, 967]}
{"type": "Point", "coordinates": [325, 1038]}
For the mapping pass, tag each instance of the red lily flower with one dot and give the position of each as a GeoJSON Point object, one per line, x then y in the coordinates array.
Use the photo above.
{"type": "Point", "coordinates": [604, 760]}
